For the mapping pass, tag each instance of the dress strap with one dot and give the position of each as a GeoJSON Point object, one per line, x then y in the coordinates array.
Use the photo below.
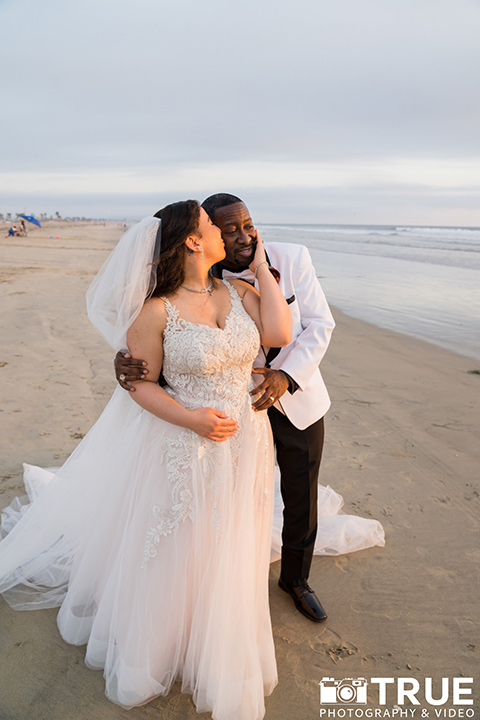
{"type": "Point", "coordinates": [172, 312]}
{"type": "Point", "coordinates": [236, 299]}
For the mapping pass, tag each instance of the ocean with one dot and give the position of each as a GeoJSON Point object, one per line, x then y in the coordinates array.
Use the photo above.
{"type": "Point", "coordinates": [422, 281]}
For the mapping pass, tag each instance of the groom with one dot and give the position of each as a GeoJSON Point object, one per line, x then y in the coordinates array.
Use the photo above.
{"type": "Point", "coordinates": [292, 389]}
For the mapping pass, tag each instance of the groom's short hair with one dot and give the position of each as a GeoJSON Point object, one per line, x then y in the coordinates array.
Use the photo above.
{"type": "Point", "coordinates": [217, 201]}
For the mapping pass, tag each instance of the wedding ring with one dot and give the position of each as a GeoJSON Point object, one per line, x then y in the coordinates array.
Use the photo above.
{"type": "Point", "coordinates": [122, 377]}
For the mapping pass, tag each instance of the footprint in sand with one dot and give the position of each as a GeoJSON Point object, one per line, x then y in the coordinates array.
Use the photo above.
{"type": "Point", "coordinates": [440, 576]}
{"type": "Point", "coordinates": [330, 643]}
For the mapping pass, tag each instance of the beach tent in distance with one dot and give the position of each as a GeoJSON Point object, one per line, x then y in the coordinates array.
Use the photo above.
{"type": "Point", "coordinates": [31, 219]}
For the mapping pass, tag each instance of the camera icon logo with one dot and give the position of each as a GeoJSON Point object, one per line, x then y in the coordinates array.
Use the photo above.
{"type": "Point", "coordinates": [349, 691]}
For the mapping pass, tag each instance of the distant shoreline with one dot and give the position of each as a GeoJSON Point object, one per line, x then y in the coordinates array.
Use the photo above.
{"type": "Point", "coordinates": [423, 282]}
{"type": "Point", "coordinates": [331, 282]}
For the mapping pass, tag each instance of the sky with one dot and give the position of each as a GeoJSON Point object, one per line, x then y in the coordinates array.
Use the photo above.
{"type": "Point", "coordinates": [315, 111]}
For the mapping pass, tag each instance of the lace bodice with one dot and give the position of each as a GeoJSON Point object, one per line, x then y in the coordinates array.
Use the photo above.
{"type": "Point", "coordinates": [207, 366]}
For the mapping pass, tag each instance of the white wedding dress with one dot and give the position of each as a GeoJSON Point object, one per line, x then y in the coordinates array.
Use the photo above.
{"type": "Point", "coordinates": [155, 541]}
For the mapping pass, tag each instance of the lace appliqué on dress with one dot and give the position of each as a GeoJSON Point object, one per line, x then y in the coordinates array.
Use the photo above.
{"type": "Point", "coordinates": [177, 454]}
{"type": "Point", "coordinates": [263, 467]}
{"type": "Point", "coordinates": [209, 455]}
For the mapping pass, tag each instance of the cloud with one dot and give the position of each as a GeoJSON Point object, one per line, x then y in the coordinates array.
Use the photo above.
{"type": "Point", "coordinates": [177, 177]}
{"type": "Point", "coordinates": [118, 94]}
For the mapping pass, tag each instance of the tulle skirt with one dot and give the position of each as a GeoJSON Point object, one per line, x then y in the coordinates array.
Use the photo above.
{"type": "Point", "coordinates": [155, 543]}
{"type": "Point", "coordinates": [337, 532]}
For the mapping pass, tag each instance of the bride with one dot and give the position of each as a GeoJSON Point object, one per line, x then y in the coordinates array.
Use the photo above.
{"type": "Point", "coordinates": [154, 537]}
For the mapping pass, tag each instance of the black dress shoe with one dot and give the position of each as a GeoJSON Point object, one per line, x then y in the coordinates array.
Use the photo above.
{"type": "Point", "coordinates": [305, 599]}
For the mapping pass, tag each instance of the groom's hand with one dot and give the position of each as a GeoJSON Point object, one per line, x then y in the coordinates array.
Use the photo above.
{"type": "Point", "coordinates": [272, 388]}
{"type": "Point", "coordinates": [127, 370]}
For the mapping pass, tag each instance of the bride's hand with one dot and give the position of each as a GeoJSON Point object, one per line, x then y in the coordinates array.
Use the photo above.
{"type": "Point", "coordinates": [212, 424]}
{"type": "Point", "coordinates": [259, 254]}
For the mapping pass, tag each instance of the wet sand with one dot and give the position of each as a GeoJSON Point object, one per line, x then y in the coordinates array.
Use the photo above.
{"type": "Point", "coordinates": [402, 446]}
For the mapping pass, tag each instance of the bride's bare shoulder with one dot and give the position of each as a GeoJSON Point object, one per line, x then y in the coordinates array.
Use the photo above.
{"type": "Point", "coordinates": [152, 315]}
{"type": "Point", "coordinates": [155, 305]}
{"type": "Point", "coordinates": [242, 287]}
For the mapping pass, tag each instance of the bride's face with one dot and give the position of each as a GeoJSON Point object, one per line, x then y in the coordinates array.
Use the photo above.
{"type": "Point", "coordinates": [211, 238]}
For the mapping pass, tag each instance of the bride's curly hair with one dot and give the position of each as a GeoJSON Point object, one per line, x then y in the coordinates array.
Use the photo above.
{"type": "Point", "coordinates": [179, 220]}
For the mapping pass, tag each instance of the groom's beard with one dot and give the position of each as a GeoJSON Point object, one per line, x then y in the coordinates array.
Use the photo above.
{"type": "Point", "coordinates": [243, 272]}
{"type": "Point", "coordinates": [243, 256]}
{"type": "Point", "coordinates": [237, 269]}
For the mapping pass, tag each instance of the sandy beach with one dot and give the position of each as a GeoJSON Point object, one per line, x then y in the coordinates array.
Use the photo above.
{"type": "Point", "coordinates": [402, 447]}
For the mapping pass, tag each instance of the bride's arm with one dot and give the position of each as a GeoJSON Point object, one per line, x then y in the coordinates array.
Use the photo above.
{"type": "Point", "coordinates": [268, 308]}
{"type": "Point", "coordinates": [145, 339]}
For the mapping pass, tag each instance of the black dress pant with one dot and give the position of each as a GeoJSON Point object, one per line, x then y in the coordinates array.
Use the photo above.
{"type": "Point", "coordinates": [299, 453]}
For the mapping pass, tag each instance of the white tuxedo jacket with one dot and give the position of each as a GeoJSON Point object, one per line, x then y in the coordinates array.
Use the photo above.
{"type": "Point", "coordinates": [312, 329]}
